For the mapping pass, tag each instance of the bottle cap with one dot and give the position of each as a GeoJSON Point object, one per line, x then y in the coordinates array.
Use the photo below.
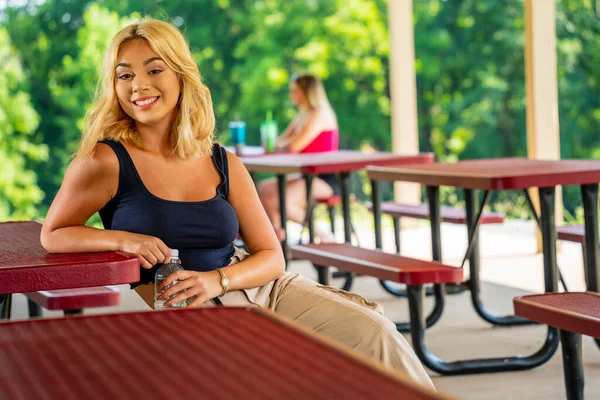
{"type": "Point", "coordinates": [174, 253]}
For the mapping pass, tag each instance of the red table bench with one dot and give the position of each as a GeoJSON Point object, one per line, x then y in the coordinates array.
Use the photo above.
{"type": "Point", "coordinates": [25, 266]}
{"type": "Point", "coordinates": [200, 353]}
{"type": "Point", "coordinates": [384, 266]}
{"type": "Point", "coordinates": [506, 174]}
{"type": "Point", "coordinates": [451, 215]}
{"type": "Point", "coordinates": [489, 175]}
{"type": "Point", "coordinates": [574, 314]}
{"type": "Point", "coordinates": [341, 162]}
{"type": "Point", "coordinates": [415, 273]}
{"type": "Point", "coordinates": [72, 301]}
{"type": "Point", "coordinates": [571, 233]}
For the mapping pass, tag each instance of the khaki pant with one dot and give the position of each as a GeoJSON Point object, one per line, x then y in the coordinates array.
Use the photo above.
{"type": "Point", "coordinates": [345, 317]}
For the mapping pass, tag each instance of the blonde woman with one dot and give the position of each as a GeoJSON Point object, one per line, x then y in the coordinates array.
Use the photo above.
{"type": "Point", "coordinates": [148, 164]}
{"type": "Point", "coordinates": [313, 130]}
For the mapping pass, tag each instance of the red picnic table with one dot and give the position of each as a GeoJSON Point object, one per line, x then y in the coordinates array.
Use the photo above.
{"type": "Point", "coordinates": [341, 162]}
{"type": "Point", "coordinates": [25, 266]}
{"type": "Point", "coordinates": [210, 353]}
{"type": "Point", "coordinates": [500, 174]}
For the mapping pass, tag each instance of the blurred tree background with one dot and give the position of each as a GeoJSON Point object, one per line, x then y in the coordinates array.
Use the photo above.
{"type": "Point", "coordinates": [470, 76]}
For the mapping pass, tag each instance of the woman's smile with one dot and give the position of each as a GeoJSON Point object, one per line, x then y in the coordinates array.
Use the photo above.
{"type": "Point", "coordinates": [145, 103]}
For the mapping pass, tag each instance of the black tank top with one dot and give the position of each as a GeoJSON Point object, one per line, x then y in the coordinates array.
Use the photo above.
{"type": "Point", "coordinates": [202, 231]}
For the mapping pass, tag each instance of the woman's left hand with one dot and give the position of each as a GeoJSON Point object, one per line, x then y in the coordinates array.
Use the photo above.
{"type": "Point", "coordinates": [204, 285]}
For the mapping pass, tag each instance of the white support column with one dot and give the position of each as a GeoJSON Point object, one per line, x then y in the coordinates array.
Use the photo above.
{"type": "Point", "coordinates": [543, 138]}
{"type": "Point", "coordinates": [403, 90]}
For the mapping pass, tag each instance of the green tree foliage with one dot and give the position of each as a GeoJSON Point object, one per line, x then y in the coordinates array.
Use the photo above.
{"type": "Point", "coordinates": [45, 35]}
{"type": "Point", "coordinates": [62, 45]}
{"type": "Point", "coordinates": [470, 67]}
{"type": "Point", "coordinates": [469, 63]}
{"type": "Point", "coordinates": [19, 192]}
{"type": "Point", "coordinates": [343, 42]}
{"type": "Point", "coordinates": [578, 31]}
{"type": "Point", "coordinates": [73, 83]}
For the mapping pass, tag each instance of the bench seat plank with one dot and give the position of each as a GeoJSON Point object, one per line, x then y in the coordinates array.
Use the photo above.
{"type": "Point", "coordinates": [378, 264]}
{"type": "Point", "coordinates": [76, 299]}
{"type": "Point", "coordinates": [571, 233]}
{"type": "Point", "coordinates": [577, 312]}
{"type": "Point", "coordinates": [447, 214]}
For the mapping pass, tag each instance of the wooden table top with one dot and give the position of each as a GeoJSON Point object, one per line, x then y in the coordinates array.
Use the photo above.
{"type": "Point", "coordinates": [212, 353]}
{"type": "Point", "coordinates": [25, 266]}
{"type": "Point", "coordinates": [329, 162]}
{"type": "Point", "coordinates": [494, 173]}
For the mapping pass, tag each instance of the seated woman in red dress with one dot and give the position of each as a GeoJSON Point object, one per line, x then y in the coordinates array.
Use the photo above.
{"type": "Point", "coordinates": [313, 130]}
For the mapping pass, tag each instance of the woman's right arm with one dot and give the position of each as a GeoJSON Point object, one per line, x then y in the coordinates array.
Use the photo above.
{"type": "Point", "coordinates": [87, 186]}
{"type": "Point", "coordinates": [286, 136]}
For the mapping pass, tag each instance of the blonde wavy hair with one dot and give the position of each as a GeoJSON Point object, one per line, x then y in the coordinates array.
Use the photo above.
{"type": "Point", "coordinates": [193, 130]}
{"type": "Point", "coordinates": [313, 90]}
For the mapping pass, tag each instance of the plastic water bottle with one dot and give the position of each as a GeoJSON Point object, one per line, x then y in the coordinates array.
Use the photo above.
{"type": "Point", "coordinates": [268, 133]}
{"type": "Point", "coordinates": [162, 273]}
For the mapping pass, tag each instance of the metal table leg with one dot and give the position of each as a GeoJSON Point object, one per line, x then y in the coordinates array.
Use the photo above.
{"type": "Point", "coordinates": [376, 198]}
{"type": "Point", "coordinates": [572, 364]}
{"type": "Point", "coordinates": [281, 184]}
{"type": "Point", "coordinates": [539, 224]}
{"type": "Point", "coordinates": [415, 302]}
{"type": "Point", "coordinates": [389, 286]}
{"type": "Point", "coordinates": [589, 195]}
{"type": "Point", "coordinates": [438, 290]}
{"type": "Point", "coordinates": [310, 207]}
{"type": "Point", "coordinates": [345, 188]}
{"type": "Point", "coordinates": [35, 310]}
{"type": "Point", "coordinates": [344, 179]}
{"type": "Point", "coordinates": [475, 366]}
{"type": "Point", "coordinates": [472, 255]}
{"type": "Point", "coordinates": [396, 222]}
{"type": "Point", "coordinates": [436, 312]}
{"type": "Point", "coordinates": [322, 270]}
{"type": "Point", "coordinates": [433, 197]}
{"type": "Point", "coordinates": [547, 196]}
{"type": "Point", "coordinates": [322, 274]}
{"type": "Point", "coordinates": [5, 306]}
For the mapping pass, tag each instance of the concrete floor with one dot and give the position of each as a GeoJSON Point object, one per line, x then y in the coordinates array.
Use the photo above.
{"type": "Point", "coordinates": [510, 267]}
